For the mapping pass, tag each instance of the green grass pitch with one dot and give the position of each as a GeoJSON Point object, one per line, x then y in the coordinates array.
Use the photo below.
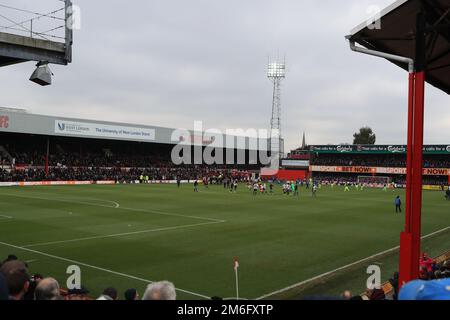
{"type": "Point", "coordinates": [127, 235]}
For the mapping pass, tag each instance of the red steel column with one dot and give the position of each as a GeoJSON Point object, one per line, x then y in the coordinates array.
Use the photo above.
{"type": "Point", "coordinates": [405, 273]}
{"type": "Point", "coordinates": [416, 201]}
{"type": "Point", "coordinates": [46, 157]}
{"type": "Point", "coordinates": [409, 154]}
{"type": "Point", "coordinates": [410, 238]}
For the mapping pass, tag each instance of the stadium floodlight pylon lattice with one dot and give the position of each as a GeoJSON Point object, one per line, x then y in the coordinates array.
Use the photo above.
{"type": "Point", "coordinates": [276, 72]}
{"type": "Point", "coordinates": [413, 34]}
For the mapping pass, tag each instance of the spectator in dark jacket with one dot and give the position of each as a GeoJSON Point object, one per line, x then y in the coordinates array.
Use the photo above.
{"type": "Point", "coordinates": [394, 283]}
{"type": "Point", "coordinates": [376, 294]}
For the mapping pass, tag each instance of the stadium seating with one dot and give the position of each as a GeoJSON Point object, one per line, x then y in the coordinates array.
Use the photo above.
{"type": "Point", "coordinates": [389, 289]}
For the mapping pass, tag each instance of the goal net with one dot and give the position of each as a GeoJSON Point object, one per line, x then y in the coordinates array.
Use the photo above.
{"type": "Point", "coordinates": [374, 180]}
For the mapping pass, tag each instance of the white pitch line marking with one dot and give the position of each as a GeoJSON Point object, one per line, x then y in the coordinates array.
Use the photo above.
{"type": "Point", "coordinates": [123, 208]}
{"type": "Point", "coordinates": [171, 214]}
{"type": "Point", "coordinates": [97, 268]}
{"type": "Point", "coordinates": [343, 267]}
{"type": "Point", "coordinates": [66, 200]}
{"type": "Point", "coordinates": [6, 217]}
{"type": "Point", "coordinates": [120, 234]}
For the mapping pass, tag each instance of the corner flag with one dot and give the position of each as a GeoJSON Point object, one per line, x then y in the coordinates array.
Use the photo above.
{"type": "Point", "coordinates": [236, 267]}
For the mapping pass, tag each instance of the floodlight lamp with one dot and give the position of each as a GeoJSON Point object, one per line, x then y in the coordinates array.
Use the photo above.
{"type": "Point", "coordinates": [276, 70]}
{"type": "Point", "coordinates": [42, 75]}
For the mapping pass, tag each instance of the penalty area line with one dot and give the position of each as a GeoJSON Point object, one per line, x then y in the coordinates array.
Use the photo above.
{"type": "Point", "coordinates": [343, 267]}
{"type": "Point", "coordinates": [97, 268]}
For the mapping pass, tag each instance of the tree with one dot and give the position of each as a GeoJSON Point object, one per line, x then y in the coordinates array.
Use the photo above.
{"type": "Point", "coordinates": [364, 136]}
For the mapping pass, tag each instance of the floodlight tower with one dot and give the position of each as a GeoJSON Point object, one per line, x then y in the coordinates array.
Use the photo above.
{"type": "Point", "coordinates": [276, 72]}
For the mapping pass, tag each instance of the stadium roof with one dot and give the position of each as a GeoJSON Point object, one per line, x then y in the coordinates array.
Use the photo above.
{"type": "Point", "coordinates": [396, 33]}
{"type": "Point", "coordinates": [19, 121]}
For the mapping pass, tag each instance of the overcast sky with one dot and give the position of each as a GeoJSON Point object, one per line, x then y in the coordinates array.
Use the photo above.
{"type": "Point", "coordinates": [171, 62]}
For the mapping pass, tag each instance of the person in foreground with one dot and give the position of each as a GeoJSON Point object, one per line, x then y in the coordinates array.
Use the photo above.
{"type": "Point", "coordinates": [108, 294]}
{"type": "Point", "coordinates": [426, 290]}
{"type": "Point", "coordinates": [163, 290]}
{"type": "Point", "coordinates": [48, 289]}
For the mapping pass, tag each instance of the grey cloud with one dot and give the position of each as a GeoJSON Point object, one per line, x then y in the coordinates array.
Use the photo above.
{"type": "Point", "coordinates": [172, 62]}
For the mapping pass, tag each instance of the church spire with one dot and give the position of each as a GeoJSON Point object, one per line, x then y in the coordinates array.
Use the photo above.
{"type": "Point", "coordinates": [304, 141]}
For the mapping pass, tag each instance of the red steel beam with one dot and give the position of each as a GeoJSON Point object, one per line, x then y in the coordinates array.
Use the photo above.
{"type": "Point", "coordinates": [410, 238]}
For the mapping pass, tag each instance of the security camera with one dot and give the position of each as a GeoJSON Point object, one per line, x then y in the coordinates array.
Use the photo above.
{"type": "Point", "coordinates": [42, 75]}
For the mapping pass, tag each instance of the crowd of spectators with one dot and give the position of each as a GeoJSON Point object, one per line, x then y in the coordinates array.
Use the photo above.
{"type": "Point", "coordinates": [71, 152]}
{"type": "Point", "coordinates": [123, 175]}
{"type": "Point", "coordinates": [95, 160]}
{"type": "Point", "coordinates": [397, 161]}
{"type": "Point", "coordinates": [167, 172]}
{"type": "Point", "coordinates": [17, 284]}
{"type": "Point", "coordinates": [430, 272]}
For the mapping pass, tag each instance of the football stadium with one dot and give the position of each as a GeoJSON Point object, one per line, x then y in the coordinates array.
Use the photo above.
{"type": "Point", "coordinates": [76, 191]}
{"type": "Point", "coordinates": [114, 210]}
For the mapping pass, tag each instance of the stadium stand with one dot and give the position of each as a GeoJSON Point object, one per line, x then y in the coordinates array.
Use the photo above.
{"type": "Point", "coordinates": [92, 159]}
{"type": "Point", "coordinates": [344, 164]}
{"type": "Point", "coordinates": [440, 270]}
{"type": "Point", "coordinates": [398, 161]}
{"type": "Point", "coordinates": [44, 148]}
{"type": "Point", "coordinates": [377, 164]}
